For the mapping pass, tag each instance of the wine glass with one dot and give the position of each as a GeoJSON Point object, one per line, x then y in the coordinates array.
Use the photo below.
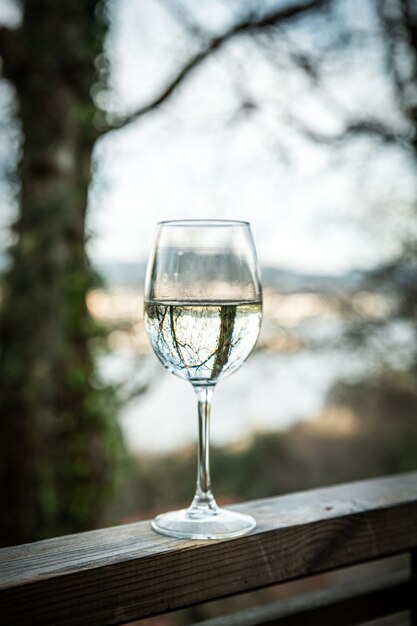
{"type": "Point", "coordinates": [203, 311]}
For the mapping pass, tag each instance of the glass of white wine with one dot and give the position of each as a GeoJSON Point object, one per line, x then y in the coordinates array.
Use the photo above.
{"type": "Point", "coordinates": [203, 311]}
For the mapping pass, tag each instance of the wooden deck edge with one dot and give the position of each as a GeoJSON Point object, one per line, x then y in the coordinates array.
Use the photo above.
{"type": "Point", "coordinates": [342, 604]}
{"type": "Point", "coordinates": [116, 575]}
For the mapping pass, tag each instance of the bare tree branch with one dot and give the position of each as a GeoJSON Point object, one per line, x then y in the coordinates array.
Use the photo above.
{"type": "Point", "coordinates": [290, 53]}
{"type": "Point", "coordinates": [376, 129]}
{"type": "Point", "coordinates": [182, 16]}
{"type": "Point", "coordinates": [392, 25]}
{"type": "Point", "coordinates": [250, 25]}
{"type": "Point", "coordinates": [365, 127]}
{"type": "Point", "coordinates": [410, 21]}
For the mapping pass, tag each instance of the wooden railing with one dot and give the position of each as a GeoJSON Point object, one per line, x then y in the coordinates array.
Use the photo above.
{"type": "Point", "coordinates": [116, 575]}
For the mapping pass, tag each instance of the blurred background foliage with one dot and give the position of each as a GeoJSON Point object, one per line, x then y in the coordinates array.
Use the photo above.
{"type": "Point", "coordinates": [366, 430]}
{"type": "Point", "coordinates": [64, 463]}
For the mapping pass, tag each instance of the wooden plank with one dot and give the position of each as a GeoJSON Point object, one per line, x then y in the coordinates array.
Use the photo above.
{"type": "Point", "coordinates": [119, 574]}
{"type": "Point", "coordinates": [399, 619]}
{"type": "Point", "coordinates": [347, 604]}
{"type": "Point", "coordinates": [413, 618]}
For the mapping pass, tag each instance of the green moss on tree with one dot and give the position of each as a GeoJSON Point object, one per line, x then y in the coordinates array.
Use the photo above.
{"type": "Point", "coordinates": [59, 440]}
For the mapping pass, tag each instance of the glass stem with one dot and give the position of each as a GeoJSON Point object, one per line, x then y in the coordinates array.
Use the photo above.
{"type": "Point", "coordinates": [203, 498]}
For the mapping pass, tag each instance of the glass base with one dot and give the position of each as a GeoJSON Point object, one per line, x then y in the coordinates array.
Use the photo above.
{"type": "Point", "coordinates": [209, 523]}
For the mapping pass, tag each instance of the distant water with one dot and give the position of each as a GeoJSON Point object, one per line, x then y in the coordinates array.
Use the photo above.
{"type": "Point", "coordinates": [270, 392]}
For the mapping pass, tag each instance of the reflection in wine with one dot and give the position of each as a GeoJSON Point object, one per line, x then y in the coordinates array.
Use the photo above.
{"type": "Point", "coordinates": [203, 341]}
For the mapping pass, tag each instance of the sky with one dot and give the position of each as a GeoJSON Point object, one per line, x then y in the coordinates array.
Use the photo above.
{"type": "Point", "coordinates": [312, 209]}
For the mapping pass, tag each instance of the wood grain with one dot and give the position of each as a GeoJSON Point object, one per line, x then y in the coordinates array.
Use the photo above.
{"type": "Point", "coordinates": [413, 617]}
{"type": "Point", "coordinates": [128, 572]}
{"type": "Point", "coordinates": [347, 604]}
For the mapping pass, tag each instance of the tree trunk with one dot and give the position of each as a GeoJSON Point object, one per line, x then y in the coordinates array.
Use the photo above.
{"type": "Point", "coordinates": [57, 429]}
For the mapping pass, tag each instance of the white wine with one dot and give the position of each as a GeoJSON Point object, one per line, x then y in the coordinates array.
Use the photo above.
{"type": "Point", "coordinates": [203, 341]}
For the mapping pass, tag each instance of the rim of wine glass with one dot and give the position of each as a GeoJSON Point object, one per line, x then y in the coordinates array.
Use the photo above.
{"type": "Point", "coordinates": [201, 222]}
